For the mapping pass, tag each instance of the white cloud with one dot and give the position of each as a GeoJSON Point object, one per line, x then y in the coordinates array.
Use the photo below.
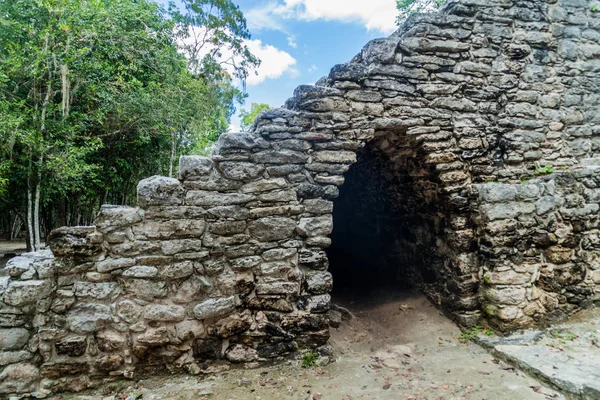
{"type": "Point", "coordinates": [233, 127]}
{"type": "Point", "coordinates": [373, 14]}
{"type": "Point", "coordinates": [313, 68]}
{"type": "Point", "coordinates": [264, 17]}
{"type": "Point", "coordinates": [292, 41]}
{"type": "Point", "coordinates": [274, 62]}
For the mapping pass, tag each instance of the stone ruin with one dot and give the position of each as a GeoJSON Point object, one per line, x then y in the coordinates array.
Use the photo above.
{"type": "Point", "coordinates": [479, 126]}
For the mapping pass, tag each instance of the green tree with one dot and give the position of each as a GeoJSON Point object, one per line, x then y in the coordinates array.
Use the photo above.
{"type": "Point", "coordinates": [96, 94]}
{"type": "Point", "coordinates": [407, 7]}
{"type": "Point", "coordinates": [247, 117]}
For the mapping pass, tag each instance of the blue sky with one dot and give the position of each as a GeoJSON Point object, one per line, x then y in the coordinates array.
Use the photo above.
{"type": "Point", "coordinates": [299, 41]}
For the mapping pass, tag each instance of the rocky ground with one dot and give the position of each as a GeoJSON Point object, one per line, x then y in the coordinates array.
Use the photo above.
{"type": "Point", "coordinates": [397, 347]}
{"type": "Point", "coordinates": [567, 356]}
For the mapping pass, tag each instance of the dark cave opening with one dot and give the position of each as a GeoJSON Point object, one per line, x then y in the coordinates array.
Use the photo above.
{"type": "Point", "coordinates": [385, 225]}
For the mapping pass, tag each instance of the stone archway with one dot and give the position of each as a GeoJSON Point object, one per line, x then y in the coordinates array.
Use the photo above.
{"type": "Point", "coordinates": [228, 263]}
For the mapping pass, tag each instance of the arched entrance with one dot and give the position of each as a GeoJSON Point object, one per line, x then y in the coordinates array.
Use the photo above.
{"type": "Point", "coordinates": [388, 223]}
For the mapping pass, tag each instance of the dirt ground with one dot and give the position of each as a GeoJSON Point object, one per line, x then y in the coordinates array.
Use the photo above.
{"type": "Point", "coordinates": [398, 347]}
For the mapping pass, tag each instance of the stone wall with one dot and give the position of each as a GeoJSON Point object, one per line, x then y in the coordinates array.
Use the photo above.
{"type": "Point", "coordinates": [227, 264]}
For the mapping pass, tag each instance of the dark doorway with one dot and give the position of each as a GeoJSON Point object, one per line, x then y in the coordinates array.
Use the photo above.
{"type": "Point", "coordinates": [383, 229]}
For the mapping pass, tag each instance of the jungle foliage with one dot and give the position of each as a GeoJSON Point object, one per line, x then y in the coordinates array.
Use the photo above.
{"type": "Point", "coordinates": [98, 94]}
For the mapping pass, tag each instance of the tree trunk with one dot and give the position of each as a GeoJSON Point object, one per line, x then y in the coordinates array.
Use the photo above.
{"type": "Point", "coordinates": [36, 209]}
{"type": "Point", "coordinates": [31, 241]}
{"type": "Point", "coordinates": [173, 152]}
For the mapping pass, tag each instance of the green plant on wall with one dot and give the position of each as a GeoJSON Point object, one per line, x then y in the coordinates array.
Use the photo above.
{"type": "Point", "coordinates": [547, 170]}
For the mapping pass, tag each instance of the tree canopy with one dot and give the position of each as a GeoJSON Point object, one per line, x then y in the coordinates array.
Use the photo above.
{"type": "Point", "coordinates": [247, 117]}
{"type": "Point", "coordinates": [407, 7]}
{"type": "Point", "coordinates": [97, 94]}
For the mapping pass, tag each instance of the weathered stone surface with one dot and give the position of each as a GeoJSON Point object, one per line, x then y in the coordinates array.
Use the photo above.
{"type": "Point", "coordinates": [27, 292]}
{"type": "Point", "coordinates": [160, 191]}
{"type": "Point", "coordinates": [13, 339]}
{"type": "Point", "coordinates": [88, 317]}
{"type": "Point", "coordinates": [97, 291]}
{"type": "Point", "coordinates": [272, 228]}
{"type": "Point", "coordinates": [193, 167]}
{"type": "Point", "coordinates": [73, 346]}
{"type": "Point", "coordinates": [211, 199]}
{"type": "Point", "coordinates": [317, 226]}
{"type": "Point", "coordinates": [111, 264]}
{"type": "Point", "coordinates": [128, 311]}
{"type": "Point", "coordinates": [240, 354]}
{"type": "Point", "coordinates": [110, 340]}
{"type": "Point", "coordinates": [216, 307]}
{"type": "Point", "coordinates": [241, 171]}
{"type": "Point", "coordinates": [319, 282]}
{"type": "Point", "coordinates": [19, 378]}
{"type": "Point", "coordinates": [164, 313]}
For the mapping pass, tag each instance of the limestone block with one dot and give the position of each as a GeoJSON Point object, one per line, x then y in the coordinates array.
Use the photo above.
{"type": "Point", "coordinates": [507, 210]}
{"type": "Point", "coordinates": [88, 317]}
{"type": "Point", "coordinates": [227, 228]}
{"type": "Point", "coordinates": [509, 295]}
{"type": "Point", "coordinates": [278, 254]}
{"type": "Point", "coordinates": [272, 228]}
{"type": "Point", "coordinates": [212, 199]}
{"type": "Point", "coordinates": [316, 226]}
{"type": "Point", "coordinates": [140, 271]}
{"type": "Point", "coordinates": [108, 362]}
{"type": "Point", "coordinates": [176, 271]}
{"type": "Point", "coordinates": [154, 337]}
{"type": "Point", "coordinates": [112, 264]}
{"type": "Point", "coordinates": [240, 140]}
{"type": "Point", "coordinates": [546, 204]}
{"type": "Point", "coordinates": [319, 241]}
{"type": "Point", "coordinates": [110, 340]}
{"type": "Point", "coordinates": [164, 313]}
{"type": "Point", "coordinates": [172, 247]}
{"type": "Point", "coordinates": [280, 157]}
{"type": "Point", "coordinates": [241, 171]}
{"type": "Point", "coordinates": [315, 304]}
{"type": "Point", "coordinates": [508, 277]}
{"type": "Point", "coordinates": [22, 293]}
{"type": "Point", "coordinates": [128, 311]}
{"type": "Point", "coordinates": [193, 167]}
{"type": "Point", "coordinates": [19, 378]}
{"type": "Point", "coordinates": [12, 357]}
{"type": "Point", "coordinates": [278, 196]}
{"type": "Point", "coordinates": [13, 338]}
{"type": "Point", "coordinates": [144, 289]}
{"type": "Point", "coordinates": [215, 307]}
{"type": "Point", "coordinates": [159, 191]}
{"type": "Point", "coordinates": [319, 282]}
{"type": "Point", "coordinates": [97, 291]}
{"type": "Point", "coordinates": [72, 346]}
{"type": "Point", "coordinates": [420, 44]}
{"type": "Point", "coordinates": [16, 266]}
{"type": "Point", "coordinates": [277, 288]}
{"type": "Point", "coordinates": [264, 185]}
{"type": "Point", "coordinates": [314, 259]}
{"type": "Point", "coordinates": [245, 263]}
{"type": "Point", "coordinates": [241, 354]}
{"type": "Point", "coordinates": [558, 254]}
{"type": "Point", "coordinates": [341, 157]}
{"type": "Point", "coordinates": [318, 206]}
{"type": "Point", "coordinates": [497, 193]}
{"type": "Point", "coordinates": [275, 268]}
